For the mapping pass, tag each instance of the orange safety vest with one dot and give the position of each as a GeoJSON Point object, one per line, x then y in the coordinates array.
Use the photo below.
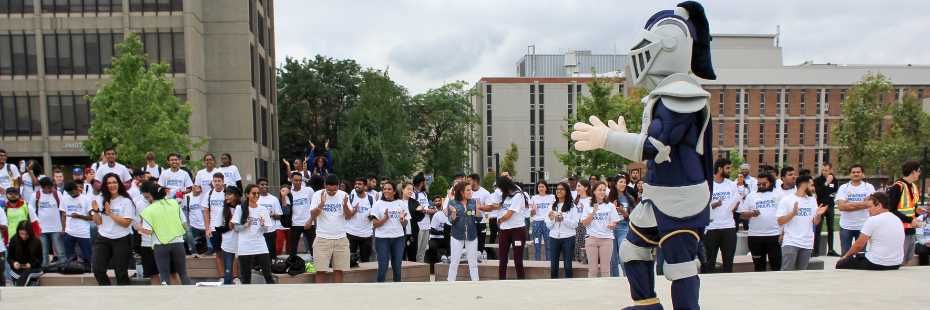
{"type": "Point", "coordinates": [908, 203]}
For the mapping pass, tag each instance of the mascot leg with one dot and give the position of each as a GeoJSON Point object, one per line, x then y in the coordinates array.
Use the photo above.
{"type": "Point", "coordinates": [681, 266]}
{"type": "Point", "coordinates": [636, 253]}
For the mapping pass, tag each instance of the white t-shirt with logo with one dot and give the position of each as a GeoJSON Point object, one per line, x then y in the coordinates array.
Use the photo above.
{"type": "Point", "coordinates": [606, 213]}
{"type": "Point", "coordinates": [118, 169]}
{"type": "Point", "coordinates": [423, 199]}
{"type": "Point", "coordinates": [214, 201]}
{"type": "Point", "coordinates": [438, 222]}
{"type": "Point", "coordinates": [271, 205]}
{"type": "Point", "coordinates": [496, 197]}
{"type": "Point", "coordinates": [154, 171]}
{"type": "Point", "coordinates": [8, 174]}
{"type": "Point", "coordinates": [141, 203]}
{"type": "Point", "coordinates": [81, 205]}
{"type": "Point", "coordinates": [251, 241]}
{"type": "Point", "coordinates": [121, 206]}
{"type": "Point", "coordinates": [543, 206]}
{"type": "Point", "coordinates": [195, 210]}
{"type": "Point", "coordinates": [853, 220]}
{"type": "Point", "coordinates": [779, 192]}
{"type": "Point", "coordinates": [517, 204]}
{"type": "Point", "coordinates": [393, 227]}
{"type": "Point", "coordinates": [723, 215]}
{"type": "Point", "coordinates": [204, 179]}
{"type": "Point", "coordinates": [28, 187]}
{"type": "Point", "coordinates": [799, 231]}
{"type": "Point", "coordinates": [580, 204]}
{"type": "Point", "coordinates": [48, 211]}
{"type": "Point", "coordinates": [360, 225]}
{"type": "Point", "coordinates": [331, 223]}
{"type": "Point", "coordinates": [232, 175]}
{"type": "Point", "coordinates": [766, 224]}
{"type": "Point", "coordinates": [300, 206]}
{"type": "Point", "coordinates": [175, 181]}
{"type": "Point", "coordinates": [885, 239]}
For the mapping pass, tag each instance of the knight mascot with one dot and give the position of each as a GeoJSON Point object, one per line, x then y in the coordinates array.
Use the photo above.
{"type": "Point", "coordinates": [675, 144]}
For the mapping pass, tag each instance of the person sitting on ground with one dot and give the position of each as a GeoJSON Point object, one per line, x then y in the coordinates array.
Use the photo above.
{"type": "Point", "coordinates": [883, 230]}
{"type": "Point", "coordinates": [25, 254]}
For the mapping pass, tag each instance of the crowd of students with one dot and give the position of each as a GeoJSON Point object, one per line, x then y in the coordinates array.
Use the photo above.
{"type": "Point", "coordinates": [109, 212]}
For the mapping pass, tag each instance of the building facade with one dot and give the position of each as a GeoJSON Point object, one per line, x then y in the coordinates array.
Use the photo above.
{"type": "Point", "coordinates": [53, 52]}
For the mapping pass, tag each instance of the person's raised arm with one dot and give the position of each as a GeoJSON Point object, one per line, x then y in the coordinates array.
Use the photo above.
{"type": "Point", "coordinates": [346, 210]}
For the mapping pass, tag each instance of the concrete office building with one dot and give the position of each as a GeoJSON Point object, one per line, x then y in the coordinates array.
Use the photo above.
{"type": "Point", "coordinates": [52, 52]}
{"type": "Point", "coordinates": [769, 112]}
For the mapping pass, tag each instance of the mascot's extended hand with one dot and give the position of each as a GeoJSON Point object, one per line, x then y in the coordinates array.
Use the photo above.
{"type": "Point", "coordinates": [591, 137]}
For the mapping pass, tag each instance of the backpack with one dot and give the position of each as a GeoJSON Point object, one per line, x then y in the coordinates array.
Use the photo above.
{"type": "Point", "coordinates": [295, 265]}
{"type": "Point", "coordinates": [371, 200]}
{"type": "Point", "coordinates": [74, 265]}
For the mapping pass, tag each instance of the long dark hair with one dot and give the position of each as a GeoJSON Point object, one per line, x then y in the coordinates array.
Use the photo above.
{"type": "Point", "coordinates": [32, 241]}
{"type": "Point", "coordinates": [153, 189]}
{"type": "Point", "coordinates": [506, 185]}
{"type": "Point", "coordinates": [228, 207]}
{"type": "Point", "coordinates": [568, 203]}
{"type": "Point", "coordinates": [615, 193]}
{"type": "Point", "coordinates": [543, 182]}
{"type": "Point", "coordinates": [393, 185]}
{"type": "Point", "coordinates": [245, 203]}
{"type": "Point", "coordinates": [120, 189]}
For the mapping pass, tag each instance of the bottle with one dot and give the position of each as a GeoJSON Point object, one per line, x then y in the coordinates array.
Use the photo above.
{"type": "Point", "coordinates": [484, 257]}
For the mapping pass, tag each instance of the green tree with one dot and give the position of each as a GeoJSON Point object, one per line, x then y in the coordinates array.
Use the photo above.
{"type": "Point", "coordinates": [509, 163]}
{"type": "Point", "coordinates": [736, 160]}
{"type": "Point", "coordinates": [377, 131]}
{"type": "Point", "coordinates": [313, 99]}
{"type": "Point", "coordinates": [439, 187]}
{"type": "Point", "coordinates": [605, 106]}
{"type": "Point", "coordinates": [856, 132]}
{"type": "Point", "coordinates": [488, 181]}
{"type": "Point", "coordinates": [444, 123]}
{"type": "Point", "coordinates": [137, 111]}
{"type": "Point", "coordinates": [910, 128]}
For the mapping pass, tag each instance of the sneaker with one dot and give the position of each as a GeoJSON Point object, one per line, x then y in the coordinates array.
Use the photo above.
{"type": "Point", "coordinates": [164, 284]}
{"type": "Point", "coordinates": [815, 254]}
{"type": "Point", "coordinates": [209, 252]}
{"type": "Point", "coordinates": [833, 253]}
{"type": "Point", "coordinates": [236, 281]}
{"type": "Point", "coordinates": [196, 255]}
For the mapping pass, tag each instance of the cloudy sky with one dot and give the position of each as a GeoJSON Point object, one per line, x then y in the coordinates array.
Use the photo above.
{"type": "Point", "coordinates": [427, 42]}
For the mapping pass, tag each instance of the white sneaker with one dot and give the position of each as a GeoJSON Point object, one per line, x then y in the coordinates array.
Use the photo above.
{"type": "Point", "coordinates": [236, 281]}
{"type": "Point", "coordinates": [196, 255]}
{"type": "Point", "coordinates": [164, 284]}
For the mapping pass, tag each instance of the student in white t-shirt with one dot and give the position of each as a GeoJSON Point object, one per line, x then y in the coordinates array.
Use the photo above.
{"type": "Point", "coordinates": [252, 222]}
{"type": "Point", "coordinates": [600, 218]}
{"type": "Point", "coordinates": [786, 185]}
{"type": "Point", "coordinates": [561, 221]}
{"type": "Point", "coordinates": [231, 171]}
{"type": "Point", "coordinates": [721, 232]}
{"type": "Point", "coordinates": [113, 214]}
{"type": "Point", "coordinates": [359, 228]}
{"type": "Point", "coordinates": [214, 206]}
{"type": "Point", "coordinates": [299, 198]}
{"type": "Point", "coordinates": [51, 219]}
{"type": "Point", "coordinates": [111, 166]}
{"type": "Point", "coordinates": [759, 208]}
{"type": "Point", "coordinates": [151, 167]}
{"type": "Point", "coordinates": [330, 210]}
{"type": "Point", "coordinates": [854, 210]}
{"type": "Point", "coordinates": [422, 198]}
{"type": "Point", "coordinates": [798, 214]}
{"type": "Point", "coordinates": [484, 196]}
{"type": "Point", "coordinates": [389, 217]}
{"type": "Point", "coordinates": [273, 207]}
{"type": "Point", "coordinates": [9, 175]}
{"type": "Point", "coordinates": [193, 203]}
{"type": "Point", "coordinates": [30, 179]}
{"type": "Point", "coordinates": [540, 205]}
{"type": "Point", "coordinates": [76, 208]}
{"type": "Point", "coordinates": [883, 230]}
{"type": "Point", "coordinates": [175, 179]}
{"type": "Point", "coordinates": [204, 177]}
{"type": "Point", "coordinates": [512, 227]}
{"type": "Point", "coordinates": [582, 199]}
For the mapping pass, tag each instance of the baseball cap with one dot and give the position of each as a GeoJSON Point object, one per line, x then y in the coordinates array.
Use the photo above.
{"type": "Point", "coordinates": [78, 171]}
{"type": "Point", "coordinates": [460, 174]}
{"type": "Point", "coordinates": [12, 190]}
{"type": "Point", "coordinates": [573, 177]}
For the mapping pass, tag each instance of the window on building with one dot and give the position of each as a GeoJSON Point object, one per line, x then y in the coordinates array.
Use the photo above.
{"type": "Point", "coordinates": [826, 98]}
{"type": "Point", "coordinates": [881, 99]}
{"type": "Point", "coordinates": [155, 5]}
{"type": "Point", "coordinates": [801, 134]}
{"type": "Point", "coordinates": [17, 6]}
{"type": "Point", "coordinates": [252, 63]}
{"type": "Point", "coordinates": [920, 94]}
{"type": "Point", "coordinates": [803, 100]}
{"type": "Point", "coordinates": [720, 94]}
{"type": "Point", "coordinates": [261, 30]}
{"type": "Point", "coordinates": [570, 99]}
{"type": "Point", "coordinates": [21, 116]}
{"type": "Point", "coordinates": [720, 133]}
{"type": "Point", "coordinates": [761, 157]}
{"type": "Point", "coordinates": [264, 117]}
{"type": "Point", "coordinates": [745, 134]}
{"type": "Point", "coordinates": [254, 121]}
{"type": "Point", "coordinates": [736, 130]}
{"type": "Point", "coordinates": [778, 102]}
{"type": "Point", "coordinates": [778, 131]}
{"type": "Point", "coordinates": [800, 159]}
{"type": "Point", "coordinates": [818, 131]}
{"type": "Point", "coordinates": [843, 96]}
{"type": "Point", "coordinates": [784, 156]}
{"type": "Point", "coordinates": [762, 102]}
{"type": "Point", "coordinates": [18, 54]}
{"type": "Point", "coordinates": [761, 132]}
{"type": "Point", "coordinates": [75, 6]}
{"type": "Point", "coordinates": [784, 131]}
{"type": "Point", "coordinates": [261, 75]}
{"type": "Point", "coordinates": [69, 114]}
{"type": "Point", "coordinates": [818, 101]}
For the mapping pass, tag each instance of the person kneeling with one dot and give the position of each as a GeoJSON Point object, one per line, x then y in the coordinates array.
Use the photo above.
{"type": "Point", "coordinates": [884, 231]}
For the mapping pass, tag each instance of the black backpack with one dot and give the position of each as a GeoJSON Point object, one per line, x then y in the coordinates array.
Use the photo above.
{"type": "Point", "coordinates": [295, 265]}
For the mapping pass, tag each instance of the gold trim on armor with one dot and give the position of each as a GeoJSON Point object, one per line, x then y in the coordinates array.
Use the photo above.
{"type": "Point", "coordinates": [633, 228]}
{"type": "Point", "coordinates": [678, 232]}
{"type": "Point", "coordinates": [646, 302]}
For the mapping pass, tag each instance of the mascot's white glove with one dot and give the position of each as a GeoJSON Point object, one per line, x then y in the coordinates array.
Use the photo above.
{"type": "Point", "coordinates": [592, 137]}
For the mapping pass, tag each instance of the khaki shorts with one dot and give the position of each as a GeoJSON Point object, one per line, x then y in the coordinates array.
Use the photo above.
{"type": "Point", "coordinates": [330, 250]}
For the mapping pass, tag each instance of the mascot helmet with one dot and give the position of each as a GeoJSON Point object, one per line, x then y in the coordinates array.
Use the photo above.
{"type": "Point", "coordinates": [673, 41]}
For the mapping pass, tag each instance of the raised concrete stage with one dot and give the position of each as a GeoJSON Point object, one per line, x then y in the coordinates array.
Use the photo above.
{"type": "Point", "coordinates": [835, 289]}
{"type": "Point", "coordinates": [204, 269]}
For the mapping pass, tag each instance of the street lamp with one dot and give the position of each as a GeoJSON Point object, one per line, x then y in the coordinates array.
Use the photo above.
{"type": "Point", "coordinates": [497, 166]}
{"type": "Point", "coordinates": [923, 177]}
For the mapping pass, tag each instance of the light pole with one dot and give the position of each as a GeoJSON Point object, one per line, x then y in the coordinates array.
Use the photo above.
{"type": "Point", "coordinates": [923, 178]}
{"type": "Point", "coordinates": [497, 166]}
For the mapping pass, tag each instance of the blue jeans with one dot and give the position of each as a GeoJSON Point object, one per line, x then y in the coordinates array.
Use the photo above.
{"type": "Point", "coordinates": [846, 239]}
{"type": "Point", "coordinates": [616, 264]}
{"type": "Point", "coordinates": [71, 241]}
{"type": "Point", "coordinates": [540, 236]}
{"type": "Point", "coordinates": [47, 245]}
{"type": "Point", "coordinates": [198, 240]}
{"type": "Point", "coordinates": [565, 247]}
{"type": "Point", "coordinates": [228, 259]}
{"type": "Point", "coordinates": [389, 249]}
{"type": "Point", "coordinates": [93, 232]}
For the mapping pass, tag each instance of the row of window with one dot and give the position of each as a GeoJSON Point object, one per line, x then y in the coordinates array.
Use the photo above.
{"type": "Point", "coordinates": [18, 54]}
{"type": "Point", "coordinates": [489, 149]}
{"type": "Point", "coordinates": [263, 122]}
{"type": "Point", "coordinates": [783, 154]}
{"type": "Point", "coordinates": [262, 27]}
{"type": "Point", "coordinates": [82, 6]}
{"type": "Point", "coordinates": [533, 128]}
{"type": "Point", "coordinates": [17, 6]}
{"type": "Point", "coordinates": [781, 132]}
{"type": "Point", "coordinates": [89, 6]}
{"type": "Point", "coordinates": [80, 53]}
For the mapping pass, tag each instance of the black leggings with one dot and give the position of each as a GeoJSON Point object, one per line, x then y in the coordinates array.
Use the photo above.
{"type": "Point", "coordinates": [271, 240]}
{"type": "Point", "coordinates": [245, 267]}
{"type": "Point", "coordinates": [723, 240]}
{"type": "Point", "coordinates": [120, 251]}
{"type": "Point", "coordinates": [171, 256]}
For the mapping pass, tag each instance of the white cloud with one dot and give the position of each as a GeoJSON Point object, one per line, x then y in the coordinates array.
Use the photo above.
{"type": "Point", "coordinates": [427, 42]}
